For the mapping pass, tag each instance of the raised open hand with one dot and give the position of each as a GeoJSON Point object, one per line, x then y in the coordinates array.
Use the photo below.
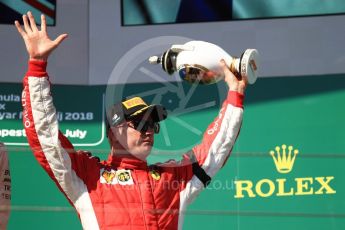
{"type": "Point", "coordinates": [37, 42]}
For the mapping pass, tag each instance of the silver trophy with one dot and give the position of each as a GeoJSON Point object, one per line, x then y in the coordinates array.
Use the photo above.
{"type": "Point", "coordinates": [198, 62]}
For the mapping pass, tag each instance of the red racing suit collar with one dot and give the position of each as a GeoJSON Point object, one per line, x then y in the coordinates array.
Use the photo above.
{"type": "Point", "coordinates": [127, 161]}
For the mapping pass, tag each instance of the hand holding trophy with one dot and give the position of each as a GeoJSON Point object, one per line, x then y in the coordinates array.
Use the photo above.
{"type": "Point", "coordinates": [198, 62]}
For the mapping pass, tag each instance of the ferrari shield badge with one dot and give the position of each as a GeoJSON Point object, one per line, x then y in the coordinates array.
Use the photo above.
{"type": "Point", "coordinates": [155, 175]}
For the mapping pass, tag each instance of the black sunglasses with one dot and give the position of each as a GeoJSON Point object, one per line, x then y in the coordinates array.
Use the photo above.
{"type": "Point", "coordinates": [142, 126]}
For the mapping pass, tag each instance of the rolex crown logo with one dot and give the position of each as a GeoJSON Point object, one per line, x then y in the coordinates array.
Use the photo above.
{"type": "Point", "coordinates": [284, 161]}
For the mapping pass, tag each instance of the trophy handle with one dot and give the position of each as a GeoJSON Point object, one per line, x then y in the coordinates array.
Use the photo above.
{"type": "Point", "coordinates": [179, 48]}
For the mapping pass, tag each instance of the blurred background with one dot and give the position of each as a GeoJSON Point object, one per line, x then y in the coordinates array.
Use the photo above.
{"type": "Point", "coordinates": [298, 100]}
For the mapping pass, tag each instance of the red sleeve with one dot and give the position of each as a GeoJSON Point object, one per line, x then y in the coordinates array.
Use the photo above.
{"type": "Point", "coordinates": [223, 131]}
{"type": "Point", "coordinates": [205, 159]}
{"type": "Point", "coordinates": [51, 148]}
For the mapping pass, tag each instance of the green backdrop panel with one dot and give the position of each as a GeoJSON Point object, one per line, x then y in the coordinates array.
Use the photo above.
{"type": "Point", "coordinates": [304, 112]}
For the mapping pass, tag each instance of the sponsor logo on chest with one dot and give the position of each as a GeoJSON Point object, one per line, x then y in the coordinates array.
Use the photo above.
{"type": "Point", "coordinates": [121, 177]}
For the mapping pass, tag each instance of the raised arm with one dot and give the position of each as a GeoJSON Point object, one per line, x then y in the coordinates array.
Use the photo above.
{"type": "Point", "coordinates": [39, 114]}
{"type": "Point", "coordinates": [218, 140]}
{"type": "Point", "coordinates": [51, 148]}
{"type": "Point", "coordinates": [222, 133]}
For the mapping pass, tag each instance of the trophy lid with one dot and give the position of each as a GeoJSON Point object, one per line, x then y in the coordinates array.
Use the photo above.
{"type": "Point", "coordinates": [249, 65]}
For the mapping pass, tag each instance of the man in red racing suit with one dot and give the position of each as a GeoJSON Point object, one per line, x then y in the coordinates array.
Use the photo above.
{"type": "Point", "coordinates": [122, 192]}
